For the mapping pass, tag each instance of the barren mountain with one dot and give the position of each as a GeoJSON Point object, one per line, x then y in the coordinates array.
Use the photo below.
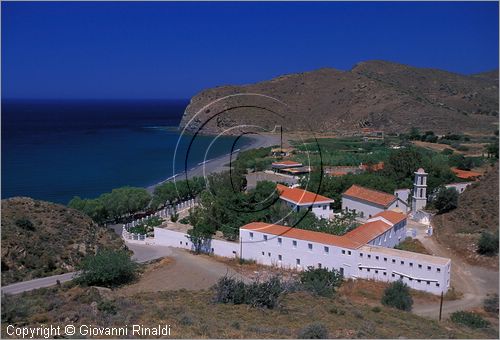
{"type": "Point", "coordinates": [42, 239]}
{"type": "Point", "coordinates": [378, 94]}
{"type": "Point", "coordinates": [477, 211]}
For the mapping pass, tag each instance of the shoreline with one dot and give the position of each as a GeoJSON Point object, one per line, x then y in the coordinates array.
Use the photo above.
{"type": "Point", "coordinates": [218, 164]}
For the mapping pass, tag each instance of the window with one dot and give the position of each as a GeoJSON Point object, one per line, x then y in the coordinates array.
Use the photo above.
{"type": "Point", "coordinates": [298, 262]}
{"type": "Point", "coordinates": [401, 277]}
{"type": "Point", "coordinates": [263, 253]}
{"type": "Point", "coordinates": [343, 251]}
{"type": "Point", "coordinates": [327, 250]}
{"type": "Point", "coordinates": [402, 262]}
{"type": "Point", "coordinates": [310, 246]}
{"type": "Point", "coordinates": [319, 265]}
{"type": "Point", "coordinates": [280, 241]}
{"type": "Point", "coordinates": [360, 254]}
{"type": "Point", "coordinates": [212, 250]}
{"type": "Point", "coordinates": [265, 237]}
{"type": "Point", "coordinates": [385, 259]}
{"type": "Point", "coordinates": [392, 275]}
{"type": "Point", "coordinates": [360, 269]}
{"type": "Point", "coordinates": [251, 236]}
{"type": "Point", "coordinates": [437, 284]}
{"type": "Point", "coordinates": [367, 269]}
{"type": "Point", "coordinates": [385, 273]}
{"type": "Point", "coordinates": [411, 264]}
{"type": "Point", "coordinates": [280, 258]}
{"type": "Point", "coordinates": [294, 244]}
{"type": "Point", "coordinates": [348, 252]}
{"type": "Point", "coordinates": [410, 279]}
{"type": "Point", "coordinates": [419, 281]}
{"type": "Point", "coordinates": [376, 257]}
{"type": "Point", "coordinates": [324, 207]}
{"type": "Point", "coordinates": [428, 282]}
{"type": "Point", "coordinates": [393, 261]}
{"type": "Point", "coordinates": [376, 272]}
{"type": "Point", "coordinates": [419, 266]}
{"type": "Point", "coordinates": [438, 270]}
{"type": "Point", "coordinates": [428, 267]}
{"type": "Point", "coordinates": [186, 243]}
{"type": "Point", "coordinates": [180, 242]}
{"type": "Point", "coordinates": [269, 254]}
{"type": "Point", "coordinates": [369, 256]}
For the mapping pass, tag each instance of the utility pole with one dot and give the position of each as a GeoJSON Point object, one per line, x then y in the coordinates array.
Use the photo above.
{"type": "Point", "coordinates": [441, 307]}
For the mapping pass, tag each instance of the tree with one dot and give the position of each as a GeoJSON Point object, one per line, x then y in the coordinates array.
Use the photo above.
{"type": "Point", "coordinates": [492, 149]}
{"type": "Point", "coordinates": [488, 244]}
{"type": "Point", "coordinates": [446, 200]}
{"type": "Point", "coordinates": [398, 295]}
{"type": "Point", "coordinates": [107, 268]}
{"type": "Point", "coordinates": [201, 233]}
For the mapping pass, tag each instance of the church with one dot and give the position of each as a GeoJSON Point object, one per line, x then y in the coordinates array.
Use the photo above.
{"type": "Point", "coordinates": [365, 202]}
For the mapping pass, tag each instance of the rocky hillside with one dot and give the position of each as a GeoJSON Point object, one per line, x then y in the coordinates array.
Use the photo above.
{"type": "Point", "coordinates": [377, 94]}
{"type": "Point", "coordinates": [477, 211]}
{"type": "Point", "coordinates": [42, 239]}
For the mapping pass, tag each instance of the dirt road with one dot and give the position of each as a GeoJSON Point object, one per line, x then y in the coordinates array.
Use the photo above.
{"type": "Point", "coordinates": [473, 281]}
{"type": "Point", "coordinates": [181, 270]}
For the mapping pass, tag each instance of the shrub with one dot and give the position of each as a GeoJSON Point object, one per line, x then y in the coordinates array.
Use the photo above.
{"type": "Point", "coordinates": [174, 217]}
{"type": "Point", "coordinates": [107, 268]}
{"type": "Point", "coordinates": [321, 281]}
{"type": "Point", "coordinates": [398, 295]}
{"type": "Point", "coordinates": [376, 309]}
{"type": "Point", "coordinates": [25, 224]}
{"type": "Point", "coordinates": [446, 200]}
{"type": "Point", "coordinates": [257, 294]}
{"type": "Point", "coordinates": [447, 151]}
{"type": "Point", "coordinates": [469, 319]}
{"type": "Point", "coordinates": [490, 304]}
{"type": "Point", "coordinates": [488, 244]}
{"type": "Point", "coordinates": [313, 331]}
{"type": "Point", "coordinates": [107, 307]}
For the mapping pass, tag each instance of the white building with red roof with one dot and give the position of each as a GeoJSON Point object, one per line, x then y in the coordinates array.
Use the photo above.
{"type": "Point", "coordinates": [366, 202]}
{"type": "Point", "coordinates": [365, 252]}
{"type": "Point", "coordinates": [300, 199]}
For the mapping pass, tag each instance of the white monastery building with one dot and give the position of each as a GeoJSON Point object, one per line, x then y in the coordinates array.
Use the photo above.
{"type": "Point", "coordinates": [366, 202]}
{"type": "Point", "coordinates": [299, 200]}
{"type": "Point", "coordinates": [361, 253]}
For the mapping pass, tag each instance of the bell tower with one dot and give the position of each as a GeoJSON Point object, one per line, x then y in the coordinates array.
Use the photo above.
{"type": "Point", "coordinates": [419, 199]}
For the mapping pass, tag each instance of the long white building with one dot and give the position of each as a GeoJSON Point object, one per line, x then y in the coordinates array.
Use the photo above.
{"type": "Point", "coordinates": [361, 253]}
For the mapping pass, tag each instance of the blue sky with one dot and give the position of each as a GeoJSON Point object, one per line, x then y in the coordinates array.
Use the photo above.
{"type": "Point", "coordinates": [174, 50]}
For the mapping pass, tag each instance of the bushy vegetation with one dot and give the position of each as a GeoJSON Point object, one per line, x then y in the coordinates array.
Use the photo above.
{"type": "Point", "coordinates": [146, 226]}
{"type": "Point", "coordinates": [490, 304]}
{"type": "Point", "coordinates": [255, 159]}
{"type": "Point", "coordinates": [315, 330]}
{"type": "Point", "coordinates": [25, 224]}
{"type": "Point", "coordinates": [321, 281]}
{"type": "Point", "coordinates": [118, 203]}
{"type": "Point", "coordinates": [107, 268]}
{"type": "Point", "coordinates": [469, 319]}
{"type": "Point", "coordinates": [446, 200]}
{"type": "Point", "coordinates": [397, 295]}
{"type": "Point", "coordinates": [178, 191]}
{"type": "Point", "coordinates": [488, 244]}
{"type": "Point", "coordinates": [256, 294]}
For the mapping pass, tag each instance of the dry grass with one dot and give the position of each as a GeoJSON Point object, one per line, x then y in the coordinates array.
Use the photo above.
{"type": "Point", "coordinates": [413, 245]}
{"type": "Point", "coordinates": [192, 314]}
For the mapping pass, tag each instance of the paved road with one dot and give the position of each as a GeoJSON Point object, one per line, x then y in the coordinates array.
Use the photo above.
{"type": "Point", "coordinates": [43, 282]}
{"type": "Point", "coordinates": [473, 281]}
{"type": "Point", "coordinates": [142, 253]}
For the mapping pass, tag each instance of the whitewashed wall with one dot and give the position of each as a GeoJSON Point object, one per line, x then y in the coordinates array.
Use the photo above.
{"type": "Point", "coordinates": [460, 187]}
{"type": "Point", "coordinates": [369, 265]}
{"type": "Point", "coordinates": [367, 209]}
{"type": "Point", "coordinates": [317, 209]}
{"type": "Point", "coordinates": [171, 238]}
{"type": "Point", "coordinates": [391, 237]}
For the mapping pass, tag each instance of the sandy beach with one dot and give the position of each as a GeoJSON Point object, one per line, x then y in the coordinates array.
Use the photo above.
{"type": "Point", "coordinates": [220, 163]}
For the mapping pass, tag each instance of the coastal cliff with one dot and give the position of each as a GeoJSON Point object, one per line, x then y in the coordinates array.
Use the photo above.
{"type": "Point", "coordinates": [377, 94]}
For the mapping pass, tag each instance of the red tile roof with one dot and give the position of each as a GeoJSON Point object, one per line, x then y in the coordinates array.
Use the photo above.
{"type": "Point", "coordinates": [300, 234]}
{"type": "Point", "coordinates": [286, 164]}
{"type": "Point", "coordinates": [464, 174]}
{"type": "Point", "coordinates": [368, 231]}
{"type": "Point", "coordinates": [300, 196]}
{"type": "Point", "coordinates": [374, 196]}
{"type": "Point", "coordinates": [391, 216]}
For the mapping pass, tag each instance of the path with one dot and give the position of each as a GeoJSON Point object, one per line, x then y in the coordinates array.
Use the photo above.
{"type": "Point", "coordinates": [473, 281]}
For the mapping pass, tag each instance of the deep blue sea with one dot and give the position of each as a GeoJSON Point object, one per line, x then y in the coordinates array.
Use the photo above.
{"type": "Point", "coordinates": [54, 150]}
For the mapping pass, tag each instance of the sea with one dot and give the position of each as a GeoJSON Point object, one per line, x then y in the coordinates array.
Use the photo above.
{"type": "Point", "coordinates": [55, 150]}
